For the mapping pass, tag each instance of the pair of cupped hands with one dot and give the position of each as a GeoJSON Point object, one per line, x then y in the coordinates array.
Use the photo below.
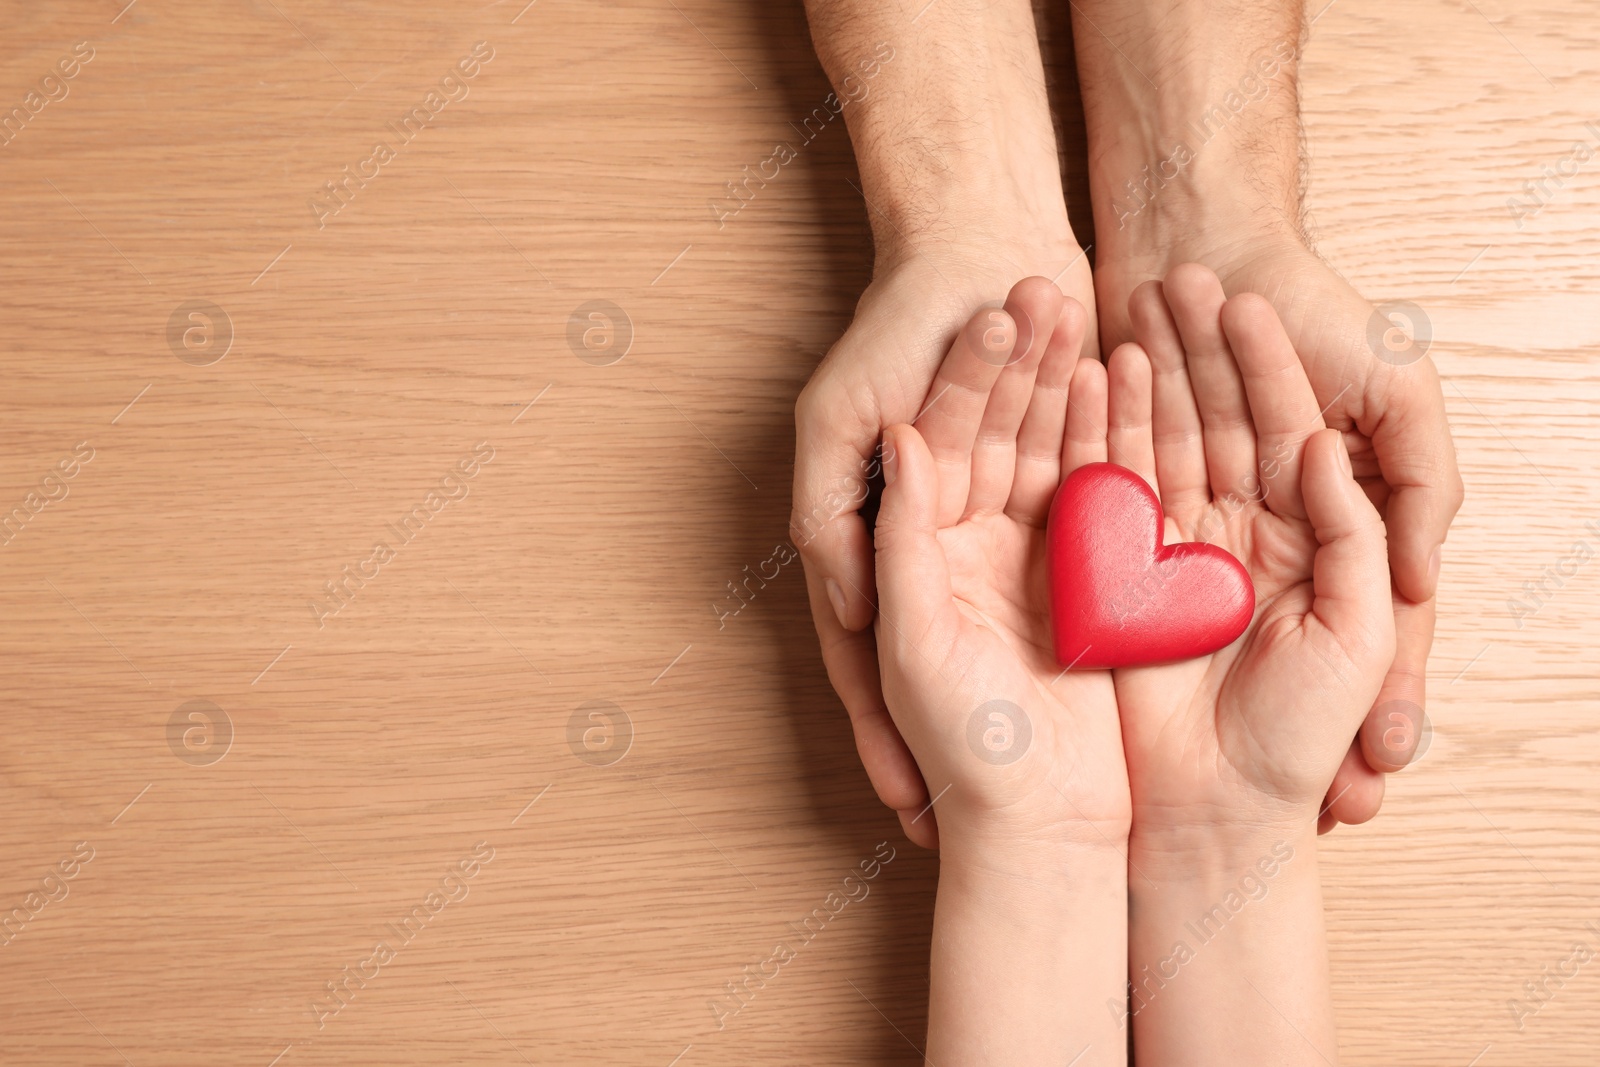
{"type": "Point", "coordinates": [935, 624]}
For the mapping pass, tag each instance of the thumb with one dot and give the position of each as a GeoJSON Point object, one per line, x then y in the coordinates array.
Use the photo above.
{"type": "Point", "coordinates": [913, 576]}
{"type": "Point", "coordinates": [1350, 574]}
{"type": "Point", "coordinates": [833, 465]}
{"type": "Point", "coordinates": [1418, 460]}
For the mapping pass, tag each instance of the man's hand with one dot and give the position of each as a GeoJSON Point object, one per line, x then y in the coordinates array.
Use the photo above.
{"type": "Point", "coordinates": [962, 186]}
{"type": "Point", "coordinates": [1193, 120]}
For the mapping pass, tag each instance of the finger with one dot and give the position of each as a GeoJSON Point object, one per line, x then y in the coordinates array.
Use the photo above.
{"type": "Point", "coordinates": [1394, 725]}
{"type": "Point", "coordinates": [831, 469]}
{"type": "Point", "coordinates": [1195, 297]}
{"type": "Point", "coordinates": [1128, 429]}
{"type": "Point", "coordinates": [1034, 305]}
{"type": "Point", "coordinates": [1350, 574]}
{"type": "Point", "coordinates": [851, 658]}
{"type": "Point", "coordinates": [1180, 453]}
{"type": "Point", "coordinates": [956, 401]}
{"type": "Point", "coordinates": [1418, 460]}
{"type": "Point", "coordinates": [921, 828]}
{"type": "Point", "coordinates": [1283, 406]}
{"type": "Point", "coordinates": [916, 612]}
{"type": "Point", "coordinates": [1039, 439]}
{"type": "Point", "coordinates": [1356, 793]}
{"type": "Point", "coordinates": [1086, 417]}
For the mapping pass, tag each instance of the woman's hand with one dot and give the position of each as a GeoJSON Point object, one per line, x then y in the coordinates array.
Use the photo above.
{"type": "Point", "coordinates": [1215, 411]}
{"type": "Point", "coordinates": [1011, 746]}
{"type": "Point", "coordinates": [876, 375]}
{"type": "Point", "coordinates": [1024, 759]}
{"type": "Point", "coordinates": [1230, 755]}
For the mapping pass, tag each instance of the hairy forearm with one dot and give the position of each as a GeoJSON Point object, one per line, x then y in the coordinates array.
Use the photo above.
{"type": "Point", "coordinates": [1029, 947]}
{"type": "Point", "coordinates": [952, 131]}
{"type": "Point", "coordinates": [1228, 954]}
{"type": "Point", "coordinates": [1192, 110]}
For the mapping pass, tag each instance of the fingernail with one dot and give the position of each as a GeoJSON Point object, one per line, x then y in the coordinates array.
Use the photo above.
{"type": "Point", "coordinates": [836, 596]}
{"type": "Point", "coordinates": [1344, 458]}
{"type": "Point", "coordinates": [891, 460]}
{"type": "Point", "coordinates": [1433, 566]}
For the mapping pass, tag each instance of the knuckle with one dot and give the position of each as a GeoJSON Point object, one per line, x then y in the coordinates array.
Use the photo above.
{"type": "Point", "coordinates": [804, 533]}
{"type": "Point", "coordinates": [805, 404]}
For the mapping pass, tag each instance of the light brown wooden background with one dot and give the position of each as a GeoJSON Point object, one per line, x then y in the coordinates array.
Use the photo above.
{"type": "Point", "coordinates": [369, 356]}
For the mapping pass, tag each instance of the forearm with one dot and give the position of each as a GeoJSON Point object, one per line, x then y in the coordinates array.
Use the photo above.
{"type": "Point", "coordinates": [1193, 118]}
{"type": "Point", "coordinates": [1228, 953]}
{"type": "Point", "coordinates": [952, 129]}
{"type": "Point", "coordinates": [1029, 956]}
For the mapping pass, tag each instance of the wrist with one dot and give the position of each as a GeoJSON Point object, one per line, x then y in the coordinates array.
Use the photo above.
{"type": "Point", "coordinates": [1029, 940]}
{"type": "Point", "coordinates": [1215, 931]}
{"type": "Point", "coordinates": [993, 188]}
{"type": "Point", "coordinates": [1047, 861]}
{"type": "Point", "coordinates": [1036, 830]}
{"type": "Point", "coordinates": [1216, 855]}
{"type": "Point", "coordinates": [1208, 152]}
{"type": "Point", "coordinates": [971, 213]}
{"type": "Point", "coordinates": [951, 128]}
{"type": "Point", "coordinates": [994, 182]}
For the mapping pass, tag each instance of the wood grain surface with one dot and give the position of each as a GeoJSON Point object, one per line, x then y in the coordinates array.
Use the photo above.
{"type": "Point", "coordinates": [250, 393]}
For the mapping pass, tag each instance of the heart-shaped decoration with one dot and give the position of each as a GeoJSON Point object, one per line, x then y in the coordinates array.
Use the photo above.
{"type": "Point", "coordinates": [1118, 598]}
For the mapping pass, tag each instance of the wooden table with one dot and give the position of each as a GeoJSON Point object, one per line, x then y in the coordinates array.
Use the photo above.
{"type": "Point", "coordinates": [262, 748]}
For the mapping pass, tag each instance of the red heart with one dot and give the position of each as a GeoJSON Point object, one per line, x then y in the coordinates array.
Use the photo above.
{"type": "Point", "coordinates": [1120, 599]}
